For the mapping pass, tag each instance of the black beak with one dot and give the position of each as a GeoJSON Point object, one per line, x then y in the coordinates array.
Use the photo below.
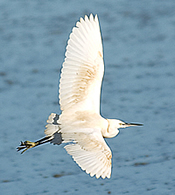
{"type": "Point", "coordinates": [133, 124]}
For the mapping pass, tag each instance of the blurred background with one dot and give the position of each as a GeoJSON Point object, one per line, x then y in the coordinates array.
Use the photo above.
{"type": "Point", "coordinates": [139, 86]}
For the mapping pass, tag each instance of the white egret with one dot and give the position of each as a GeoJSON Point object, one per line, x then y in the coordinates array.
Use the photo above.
{"type": "Point", "coordinates": [80, 124]}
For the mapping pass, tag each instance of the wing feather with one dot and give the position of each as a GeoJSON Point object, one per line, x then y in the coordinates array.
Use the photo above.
{"type": "Point", "coordinates": [91, 153]}
{"type": "Point", "coordinates": [83, 67]}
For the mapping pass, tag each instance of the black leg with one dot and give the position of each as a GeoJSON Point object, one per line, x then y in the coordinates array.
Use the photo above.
{"type": "Point", "coordinates": [28, 144]}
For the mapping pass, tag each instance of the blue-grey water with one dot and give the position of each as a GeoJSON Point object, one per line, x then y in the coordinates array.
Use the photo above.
{"type": "Point", "coordinates": [138, 86]}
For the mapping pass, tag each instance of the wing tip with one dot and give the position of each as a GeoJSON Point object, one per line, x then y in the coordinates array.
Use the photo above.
{"type": "Point", "coordinates": [91, 17]}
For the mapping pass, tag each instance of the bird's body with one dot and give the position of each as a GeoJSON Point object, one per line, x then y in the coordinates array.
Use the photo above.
{"type": "Point", "coordinates": [80, 124]}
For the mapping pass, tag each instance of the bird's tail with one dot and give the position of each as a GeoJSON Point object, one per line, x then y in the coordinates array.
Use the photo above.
{"type": "Point", "coordinates": [53, 129]}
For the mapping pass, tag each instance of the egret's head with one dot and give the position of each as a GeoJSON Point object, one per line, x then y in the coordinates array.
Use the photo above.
{"type": "Point", "coordinates": [115, 124]}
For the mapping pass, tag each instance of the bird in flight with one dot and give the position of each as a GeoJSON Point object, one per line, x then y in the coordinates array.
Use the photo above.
{"type": "Point", "coordinates": [80, 125]}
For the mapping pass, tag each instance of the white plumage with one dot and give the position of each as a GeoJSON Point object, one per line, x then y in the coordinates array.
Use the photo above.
{"type": "Point", "coordinates": [80, 124]}
{"type": "Point", "coordinates": [83, 68]}
{"type": "Point", "coordinates": [79, 94]}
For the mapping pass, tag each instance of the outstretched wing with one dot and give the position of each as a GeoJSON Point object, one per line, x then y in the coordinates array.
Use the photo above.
{"type": "Point", "coordinates": [82, 72]}
{"type": "Point", "coordinates": [92, 154]}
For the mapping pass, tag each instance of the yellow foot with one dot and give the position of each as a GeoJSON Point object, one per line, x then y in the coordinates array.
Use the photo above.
{"type": "Point", "coordinates": [26, 145]}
